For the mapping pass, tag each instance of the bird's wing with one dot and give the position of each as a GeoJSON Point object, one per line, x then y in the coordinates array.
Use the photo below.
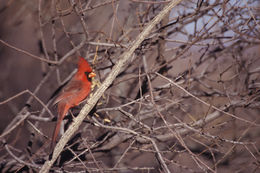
{"type": "Point", "coordinates": [72, 88]}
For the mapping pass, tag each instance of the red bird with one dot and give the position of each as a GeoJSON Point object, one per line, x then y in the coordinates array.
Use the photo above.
{"type": "Point", "coordinates": [73, 93]}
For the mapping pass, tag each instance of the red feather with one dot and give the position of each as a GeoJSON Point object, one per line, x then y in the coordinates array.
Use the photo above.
{"type": "Point", "coordinates": [73, 93]}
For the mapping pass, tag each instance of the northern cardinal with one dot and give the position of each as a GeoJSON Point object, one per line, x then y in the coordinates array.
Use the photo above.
{"type": "Point", "coordinates": [73, 93]}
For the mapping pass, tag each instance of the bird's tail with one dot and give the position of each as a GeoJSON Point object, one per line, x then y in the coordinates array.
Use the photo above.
{"type": "Point", "coordinates": [62, 111]}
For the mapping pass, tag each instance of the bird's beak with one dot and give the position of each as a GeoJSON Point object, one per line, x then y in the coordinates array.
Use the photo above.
{"type": "Point", "coordinates": [91, 75]}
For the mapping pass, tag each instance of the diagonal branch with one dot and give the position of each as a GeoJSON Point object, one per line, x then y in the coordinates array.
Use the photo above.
{"type": "Point", "coordinates": [110, 78]}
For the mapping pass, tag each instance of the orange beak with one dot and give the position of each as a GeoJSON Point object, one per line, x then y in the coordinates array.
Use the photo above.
{"type": "Point", "coordinates": [91, 75]}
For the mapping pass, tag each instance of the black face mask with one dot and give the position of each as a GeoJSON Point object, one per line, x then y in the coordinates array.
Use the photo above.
{"type": "Point", "coordinates": [87, 74]}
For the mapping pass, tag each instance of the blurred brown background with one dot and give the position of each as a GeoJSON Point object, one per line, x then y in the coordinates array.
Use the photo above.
{"type": "Point", "coordinates": [210, 49]}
